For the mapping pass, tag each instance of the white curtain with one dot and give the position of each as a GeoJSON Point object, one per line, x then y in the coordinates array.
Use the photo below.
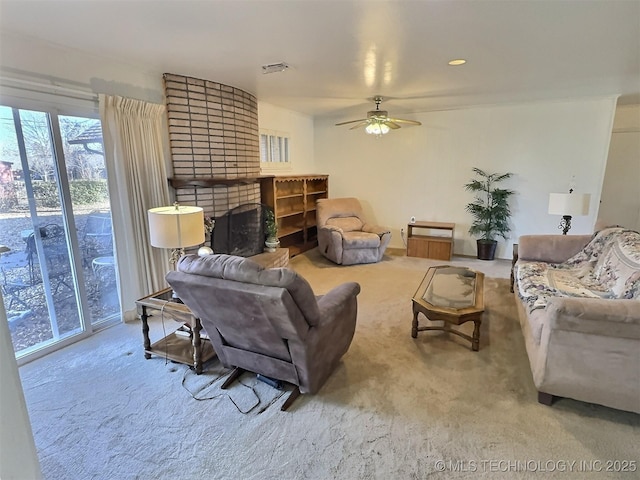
{"type": "Point", "coordinates": [133, 137]}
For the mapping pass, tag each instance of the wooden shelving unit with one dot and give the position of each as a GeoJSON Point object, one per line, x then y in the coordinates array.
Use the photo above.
{"type": "Point", "coordinates": [427, 245]}
{"type": "Point", "coordinates": [293, 199]}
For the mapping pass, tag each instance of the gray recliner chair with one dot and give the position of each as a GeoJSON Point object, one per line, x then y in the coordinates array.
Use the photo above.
{"type": "Point", "coordinates": [344, 236]}
{"type": "Point", "coordinates": [268, 321]}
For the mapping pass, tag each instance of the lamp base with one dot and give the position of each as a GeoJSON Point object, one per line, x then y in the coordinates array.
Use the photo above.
{"type": "Point", "coordinates": [176, 253]}
{"type": "Point", "coordinates": [565, 224]}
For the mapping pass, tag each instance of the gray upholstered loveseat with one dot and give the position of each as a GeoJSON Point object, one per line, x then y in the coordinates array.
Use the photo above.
{"type": "Point", "coordinates": [578, 298]}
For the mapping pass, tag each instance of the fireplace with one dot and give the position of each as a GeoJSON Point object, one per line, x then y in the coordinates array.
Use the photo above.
{"type": "Point", "coordinates": [215, 144]}
{"type": "Point", "coordinates": [240, 231]}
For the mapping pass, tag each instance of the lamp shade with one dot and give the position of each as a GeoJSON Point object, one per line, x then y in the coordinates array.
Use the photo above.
{"type": "Point", "coordinates": [176, 226]}
{"type": "Point", "coordinates": [569, 203]}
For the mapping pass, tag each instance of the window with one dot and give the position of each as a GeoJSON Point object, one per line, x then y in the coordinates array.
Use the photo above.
{"type": "Point", "coordinates": [274, 151]}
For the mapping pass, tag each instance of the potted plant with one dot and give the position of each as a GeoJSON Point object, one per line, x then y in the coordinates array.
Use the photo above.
{"type": "Point", "coordinates": [270, 231]}
{"type": "Point", "coordinates": [490, 211]}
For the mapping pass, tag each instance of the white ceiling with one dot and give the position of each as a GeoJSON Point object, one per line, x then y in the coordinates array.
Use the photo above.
{"type": "Point", "coordinates": [344, 52]}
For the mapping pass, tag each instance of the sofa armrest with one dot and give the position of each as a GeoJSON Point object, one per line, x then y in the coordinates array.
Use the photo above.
{"type": "Point", "coordinates": [377, 229]}
{"type": "Point", "coordinates": [551, 248]}
{"type": "Point", "coordinates": [595, 316]}
{"type": "Point", "coordinates": [334, 301]}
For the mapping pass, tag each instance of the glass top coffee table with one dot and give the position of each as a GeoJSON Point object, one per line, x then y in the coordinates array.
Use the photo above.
{"type": "Point", "coordinates": [453, 295]}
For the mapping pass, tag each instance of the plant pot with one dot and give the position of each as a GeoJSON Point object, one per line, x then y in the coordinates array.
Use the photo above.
{"type": "Point", "coordinates": [486, 249]}
{"type": "Point", "coordinates": [271, 244]}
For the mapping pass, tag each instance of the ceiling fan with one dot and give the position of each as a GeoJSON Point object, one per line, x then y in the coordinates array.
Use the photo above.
{"type": "Point", "coordinates": [378, 121]}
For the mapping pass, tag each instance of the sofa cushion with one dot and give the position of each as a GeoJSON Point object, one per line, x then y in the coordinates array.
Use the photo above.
{"type": "Point", "coordinates": [539, 281]}
{"type": "Point", "coordinates": [351, 240]}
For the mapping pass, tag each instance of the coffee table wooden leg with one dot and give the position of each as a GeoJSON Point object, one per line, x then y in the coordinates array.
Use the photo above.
{"type": "Point", "coordinates": [414, 324]}
{"type": "Point", "coordinates": [475, 344]}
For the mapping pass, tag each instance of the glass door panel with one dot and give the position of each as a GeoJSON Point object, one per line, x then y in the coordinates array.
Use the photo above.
{"type": "Point", "coordinates": [87, 174]}
{"type": "Point", "coordinates": [55, 279]}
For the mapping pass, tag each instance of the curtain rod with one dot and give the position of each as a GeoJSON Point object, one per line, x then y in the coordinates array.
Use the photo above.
{"type": "Point", "coordinates": [47, 88]}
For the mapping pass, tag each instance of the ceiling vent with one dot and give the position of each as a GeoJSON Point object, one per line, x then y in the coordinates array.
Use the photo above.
{"type": "Point", "coordinates": [274, 67]}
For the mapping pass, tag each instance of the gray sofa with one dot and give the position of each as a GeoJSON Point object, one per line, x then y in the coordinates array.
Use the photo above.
{"type": "Point", "coordinates": [268, 321]}
{"type": "Point", "coordinates": [578, 299]}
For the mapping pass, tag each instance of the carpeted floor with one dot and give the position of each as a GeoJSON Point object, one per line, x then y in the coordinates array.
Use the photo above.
{"type": "Point", "coordinates": [396, 408]}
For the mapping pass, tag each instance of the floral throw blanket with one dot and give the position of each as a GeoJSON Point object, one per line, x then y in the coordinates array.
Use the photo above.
{"type": "Point", "coordinates": [608, 267]}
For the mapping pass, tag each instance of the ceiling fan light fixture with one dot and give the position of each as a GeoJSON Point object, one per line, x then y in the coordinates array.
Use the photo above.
{"type": "Point", "coordinates": [377, 128]}
{"type": "Point", "coordinates": [378, 122]}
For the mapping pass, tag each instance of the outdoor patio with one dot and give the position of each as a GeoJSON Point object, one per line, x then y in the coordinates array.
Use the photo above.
{"type": "Point", "coordinates": [24, 289]}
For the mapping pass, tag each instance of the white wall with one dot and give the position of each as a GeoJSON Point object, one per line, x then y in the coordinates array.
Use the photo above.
{"type": "Point", "coordinates": [300, 130]}
{"type": "Point", "coordinates": [621, 189]}
{"type": "Point", "coordinates": [420, 171]}
{"type": "Point", "coordinates": [20, 56]}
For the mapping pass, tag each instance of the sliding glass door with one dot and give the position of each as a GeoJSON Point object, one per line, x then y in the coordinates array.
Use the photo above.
{"type": "Point", "coordinates": [57, 269]}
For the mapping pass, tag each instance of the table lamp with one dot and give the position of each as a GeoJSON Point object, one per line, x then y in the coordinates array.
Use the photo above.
{"type": "Point", "coordinates": [568, 205]}
{"type": "Point", "coordinates": [176, 227]}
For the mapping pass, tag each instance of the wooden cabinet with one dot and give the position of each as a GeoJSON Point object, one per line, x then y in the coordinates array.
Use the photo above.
{"type": "Point", "coordinates": [427, 245]}
{"type": "Point", "coordinates": [293, 199]}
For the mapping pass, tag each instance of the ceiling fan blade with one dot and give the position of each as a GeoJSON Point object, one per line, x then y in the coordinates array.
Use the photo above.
{"type": "Point", "coordinates": [361, 124]}
{"type": "Point", "coordinates": [351, 121]}
{"type": "Point", "coordinates": [400, 120]}
{"type": "Point", "coordinates": [378, 117]}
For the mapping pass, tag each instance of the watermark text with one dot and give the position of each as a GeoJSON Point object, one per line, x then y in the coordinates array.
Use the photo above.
{"type": "Point", "coordinates": [532, 465]}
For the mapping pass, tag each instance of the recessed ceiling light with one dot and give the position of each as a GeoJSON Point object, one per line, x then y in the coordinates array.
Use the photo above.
{"type": "Point", "coordinates": [459, 61]}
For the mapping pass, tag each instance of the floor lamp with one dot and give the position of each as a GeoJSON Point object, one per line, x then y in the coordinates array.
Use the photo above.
{"type": "Point", "coordinates": [176, 227]}
{"type": "Point", "coordinates": [568, 205]}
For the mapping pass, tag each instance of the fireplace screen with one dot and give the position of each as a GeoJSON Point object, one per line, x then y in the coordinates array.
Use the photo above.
{"type": "Point", "coordinates": [240, 231]}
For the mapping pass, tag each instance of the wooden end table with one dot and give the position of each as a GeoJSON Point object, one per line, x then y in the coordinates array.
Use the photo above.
{"type": "Point", "coordinates": [190, 350]}
{"type": "Point", "coordinates": [454, 295]}
{"type": "Point", "coordinates": [430, 246]}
